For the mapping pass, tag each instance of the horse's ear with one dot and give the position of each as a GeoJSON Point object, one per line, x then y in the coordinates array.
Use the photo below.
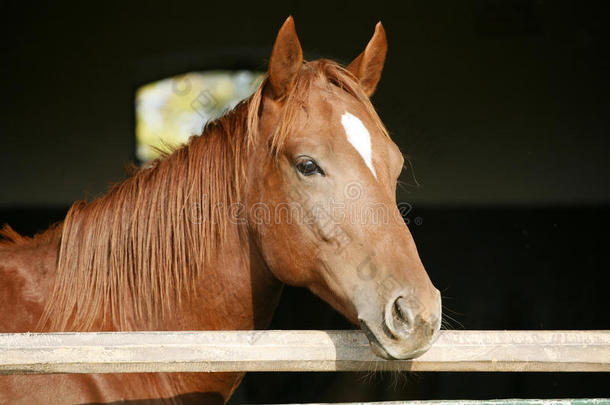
{"type": "Point", "coordinates": [286, 59]}
{"type": "Point", "coordinates": [368, 65]}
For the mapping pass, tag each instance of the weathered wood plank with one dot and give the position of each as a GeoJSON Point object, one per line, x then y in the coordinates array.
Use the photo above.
{"type": "Point", "coordinates": [218, 351]}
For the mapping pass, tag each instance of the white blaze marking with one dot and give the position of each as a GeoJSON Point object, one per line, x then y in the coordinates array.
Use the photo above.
{"type": "Point", "coordinates": [359, 137]}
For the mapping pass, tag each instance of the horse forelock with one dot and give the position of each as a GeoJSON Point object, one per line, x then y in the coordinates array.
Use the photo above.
{"type": "Point", "coordinates": [335, 78]}
{"type": "Point", "coordinates": [126, 257]}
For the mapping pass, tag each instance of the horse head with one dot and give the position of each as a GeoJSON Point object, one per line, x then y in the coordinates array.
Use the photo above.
{"type": "Point", "coordinates": [326, 172]}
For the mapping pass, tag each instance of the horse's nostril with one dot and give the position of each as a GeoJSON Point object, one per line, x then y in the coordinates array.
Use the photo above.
{"type": "Point", "coordinates": [397, 311]}
{"type": "Point", "coordinates": [402, 316]}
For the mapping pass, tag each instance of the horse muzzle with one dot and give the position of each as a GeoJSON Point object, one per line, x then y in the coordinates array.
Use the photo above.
{"type": "Point", "coordinates": [406, 328]}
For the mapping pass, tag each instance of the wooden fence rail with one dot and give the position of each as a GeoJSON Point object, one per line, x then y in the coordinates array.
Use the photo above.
{"type": "Point", "coordinates": [219, 351]}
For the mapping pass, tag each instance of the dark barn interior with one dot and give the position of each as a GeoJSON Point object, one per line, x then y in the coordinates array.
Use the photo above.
{"type": "Point", "coordinates": [502, 107]}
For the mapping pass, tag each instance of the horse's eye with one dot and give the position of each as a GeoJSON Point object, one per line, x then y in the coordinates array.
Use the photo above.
{"type": "Point", "coordinates": [308, 167]}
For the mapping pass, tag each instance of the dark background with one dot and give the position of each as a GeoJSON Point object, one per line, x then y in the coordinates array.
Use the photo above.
{"type": "Point", "coordinates": [502, 106]}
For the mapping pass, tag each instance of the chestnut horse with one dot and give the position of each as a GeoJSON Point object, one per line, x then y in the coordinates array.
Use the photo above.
{"type": "Point", "coordinates": [204, 238]}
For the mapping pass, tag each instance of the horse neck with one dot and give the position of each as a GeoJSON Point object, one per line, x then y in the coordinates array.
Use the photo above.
{"type": "Point", "coordinates": [236, 291]}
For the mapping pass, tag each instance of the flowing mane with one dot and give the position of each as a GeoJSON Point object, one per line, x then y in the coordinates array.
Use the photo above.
{"type": "Point", "coordinates": [150, 236]}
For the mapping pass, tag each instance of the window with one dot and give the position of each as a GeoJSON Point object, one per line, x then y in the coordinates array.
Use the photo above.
{"type": "Point", "coordinates": [171, 110]}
